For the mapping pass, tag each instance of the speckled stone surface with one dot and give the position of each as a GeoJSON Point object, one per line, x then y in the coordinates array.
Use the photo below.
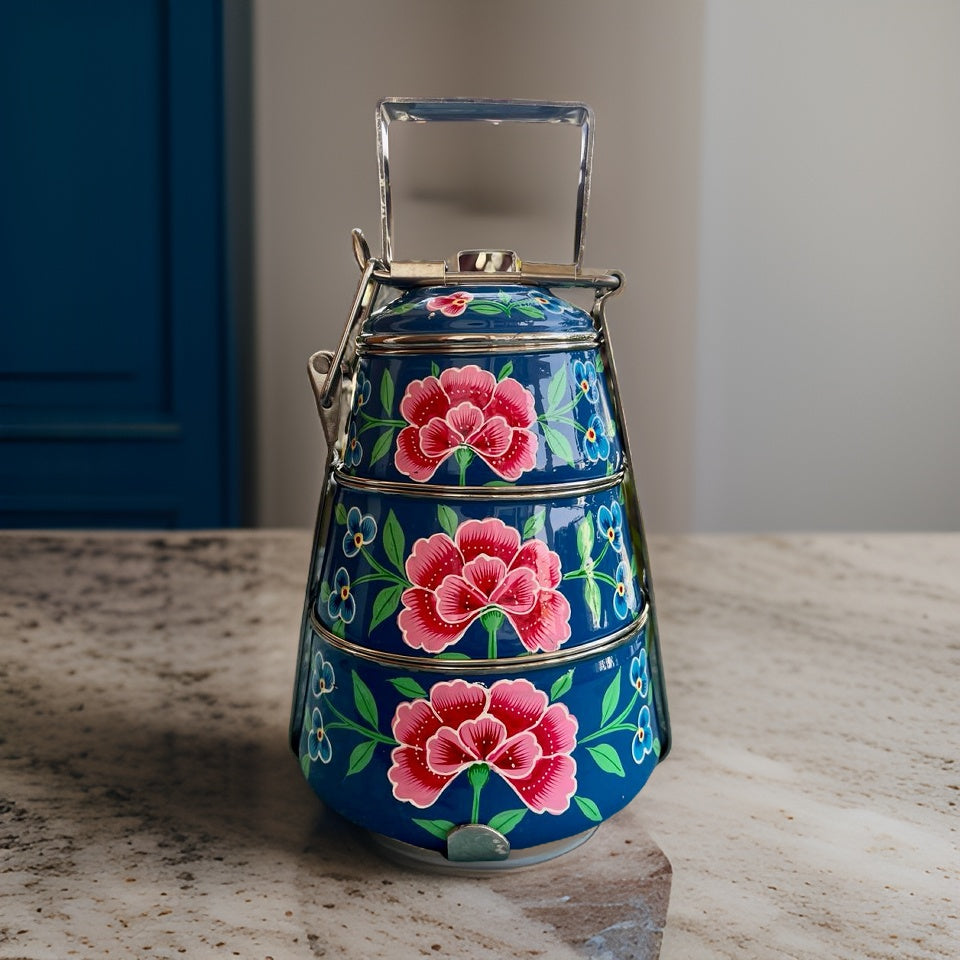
{"type": "Point", "coordinates": [809, 807]}
{"type": "Point", "coordinates": [150, 806]}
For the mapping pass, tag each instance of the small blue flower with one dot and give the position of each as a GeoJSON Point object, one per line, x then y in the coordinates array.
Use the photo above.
{"type": "Point", "coordinates": [610, 525]}
{"type": "Point", "coordinates": [585, 373]}
{"type": "Point", "coordinates": [595, 443]}
{"type": "Point", "coordinates": [361, 530]}
{"type": "Point", "coordinates": [553, 304]}
{"type": "Point", "coordinates": [362, 391]}
{"type": "Point", "coordinates": [341, 603]}
{"type": "Point", "coordinates": [318, 744]}
{"type": "Point", "coordinates": [639, 675]}
{"type": "Point", "coordinates": [354, 449]}
{"type": "Point", "coordinates": [643, 738]}
{"type": "Point", "coordinates": [323, 678]}
{"type": "Point", "coordinates": [623, 592]}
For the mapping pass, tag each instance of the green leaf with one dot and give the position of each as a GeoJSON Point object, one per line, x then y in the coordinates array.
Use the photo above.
{"type": "Point", "coordinates": [505, 370]}
{"type": "Point", "coordinates": [558, 443]}
{"type": "Point", "coordinates": [448, 519]}
{"type": "Point", "coordinates": [598, 363]}
{"type": "Point", "coordinates": [534, 524]}
{"type": "Point", "coordinates": [341, 513]}
{"type": "Point", "coordinates": [393, 540]}
{"type": "Point", "coordinates": [591, 594]}
{"type": "Point", "coordinates": [486, 307]}
{"type": "Point", "coordinates": [305, 765]}
{"type": "Point", "coordinates": [383, 444]}
{"type": "Point", "coordinates": [608, 760]}
{"type": "Point", "coordinates": [633, 564]}
{"type": "Point", "coordinates": [656, 746]}
{"type": "Point", "coordinates": [439, 828]}
{"type": "Point", "coordinates": [452, 655]}
{"type": "Point", "coordinates": [503, 296]}
{"type": "Point", "coordinates": [324, 592]}
{"type": "Point", "coordinates": [528, 310]}
{"type": "Point", "coordinates": [588, 808]}
{"type": "Point", "coordinates": [402, 308]}
{"type": "Point", "coordinates": [339, 628]}
{"type": "Point", "coordinates": [557, 391]}
{"type": "Point", "coordinates": [499, 483]}
{"type": "Point", "coordinates": [385, 603]}
{"type": "Point", "coordinates": [363, 699]}
{"type": "Point", "coordinates": [585, 535]}
{"type": "Point", "coordinates": [506, 820]}
{"type": "Point", "coordinates": [408, 687]}
{"type": "Point", "coordinates": [435, 369]}
{"type": "Point", "coordinates": [386, 391]}
{"type": "Point", "coordinates": [360, 756]}
{"type": "Point", "coordinates": [610, 699]}
{"type": "Point", "coordinates": [561, 685]}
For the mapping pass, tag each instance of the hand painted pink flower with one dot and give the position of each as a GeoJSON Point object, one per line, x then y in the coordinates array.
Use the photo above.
{"type": "Point", "coordinates": [484, 567]}
{"type": "Point", "coordinates": [451, 305]}
{"type": "Point", "coordinates": [466, 407]}
{"type": "Point", "coordinates": [510, 727]}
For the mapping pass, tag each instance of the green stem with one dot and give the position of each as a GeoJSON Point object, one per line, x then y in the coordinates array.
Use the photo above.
{"type": "Point", "coordinates": [582, 572]}
{"type": "Point", "coordinates": [381, 570]}
{"type": "Point", "coordinates": [464, 457]}
{"type": "Point", "coordinates": [502, 307]}
{"type": "Point", "coordinates": [570, 422]}
{"type": "Point", "coordinates": [552, 414]}
{"type": "Point", "coordinates": [491, 620]}
{"type": "Point", "coordinates": [628, 708]}
{"type": "Point", "coordinates": [478, 775]}
{"type": "Point", "coordinates": [380, 422]}
{"type": "Point", "coordinates": [367, 577]}
{"type": "Point", "coordinates": [616, 723]}
{"type": "Point", "coordinates": [585, 575]}
{"type": "Point", "coordinates": [610, 728]}
{"type": "Point", "coordinates": [366, 427]}
{"type": "Point", "coordinates": [347, 724]}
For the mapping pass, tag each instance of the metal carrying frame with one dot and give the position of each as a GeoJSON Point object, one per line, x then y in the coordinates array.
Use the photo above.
{"type": "Point", "coordinates": [398, 109]}
{"type": "Point", "coordinates": [392, 272]}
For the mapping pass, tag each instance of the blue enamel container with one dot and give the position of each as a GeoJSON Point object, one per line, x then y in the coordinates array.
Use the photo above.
{"type": "Point", "coordinates": [552, 412]}
{"type": "Point", "coordinates": [479, 681]}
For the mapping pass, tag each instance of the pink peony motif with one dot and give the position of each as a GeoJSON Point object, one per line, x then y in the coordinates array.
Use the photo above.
{"type": "Point", "coordinates": [451, 305]}
{"type": "Point", "coordinates": [466, 408]}
{"type": "Point", "coordinates": [485, 567]}
{"type": "Point", "coordinates": [510, 727]}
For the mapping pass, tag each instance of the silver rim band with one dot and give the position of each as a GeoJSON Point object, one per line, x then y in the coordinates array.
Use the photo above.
{"type": "Point", "coordinates": [439, 343]}
{"type": "Point", "coordinates": [538, 491]}
{"type": "Point", "coordinates": [500, 665]}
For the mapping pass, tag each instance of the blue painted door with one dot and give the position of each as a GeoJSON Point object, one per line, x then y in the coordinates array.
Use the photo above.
{"type": "Point", "coordinates": [116, 354]}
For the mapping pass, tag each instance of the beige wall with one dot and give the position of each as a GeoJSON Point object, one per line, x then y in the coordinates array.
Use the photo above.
{"type": "Point", "coordinates": [778, 180]}
{"type": "Point", "coordinates": [319, 70]}
{"type": "Point", "coordinates": [829, 308]}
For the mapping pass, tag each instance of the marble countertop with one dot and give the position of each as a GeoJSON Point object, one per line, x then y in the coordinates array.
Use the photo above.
{"type": "Point", "coordinates": [150, 807]}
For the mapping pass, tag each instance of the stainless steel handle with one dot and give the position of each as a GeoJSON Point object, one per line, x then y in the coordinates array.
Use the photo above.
{"type": "Point", "coordinates": [487, 111]}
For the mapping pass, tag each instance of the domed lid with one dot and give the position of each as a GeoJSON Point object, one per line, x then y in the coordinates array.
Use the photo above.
{"type": "Point", "coordinates": [486, 308]}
